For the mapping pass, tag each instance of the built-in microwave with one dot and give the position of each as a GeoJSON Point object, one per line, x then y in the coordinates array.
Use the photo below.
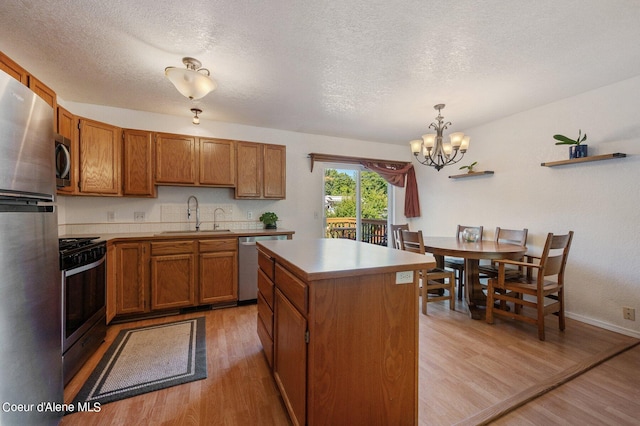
{"type": "Point", "coordinates": [63, 161]}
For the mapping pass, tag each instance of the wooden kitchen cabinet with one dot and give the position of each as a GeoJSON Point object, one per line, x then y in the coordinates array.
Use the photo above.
{"type": "Point", "coordinates": [261, 171]}
{"type": "Point", "coordinates": [12, 68]}
{"type": "Point", "coordinates": [266, 296]}
{"type": "Point", "coordinates": [44, 91]}
{"type": "Point", "coordinates": [218, 276]}
{"type": "Point", "coordinates": [137, 163]}
{"type": "Point", "coordinates": [131, 281]}
{"type": "Point", "coordinates": [274, 171]}
{"type": "Point", "coordinates": [176, 159]}
{"type": "Point", "coordinates": [67, 125]}
{"type": "Point", "coordinates": [100, 157]}
{"type": "Point", "coordinates": [345, 334]}
{"type": "Point", "coordinates": [110, 291]}
{"type": "Point", "coordinates": [217, 162]}
{"type": "Point", "coordinates": [173, 274]}
{"type": "Point", "coordinates": [290, 357]}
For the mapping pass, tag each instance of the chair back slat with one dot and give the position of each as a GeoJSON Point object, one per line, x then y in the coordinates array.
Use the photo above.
{"type": "Point", "coordinates": [511, 236]}
{"type": "Point", "coordinates": [554, 255]}
{"type": "Point", "coordinates": [412, 241]}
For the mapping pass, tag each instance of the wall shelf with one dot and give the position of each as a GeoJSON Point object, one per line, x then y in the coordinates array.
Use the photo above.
{"type": "Point", "coordinates": [472, 174]}
{"type": "Point", "coordinates": [584, 159]}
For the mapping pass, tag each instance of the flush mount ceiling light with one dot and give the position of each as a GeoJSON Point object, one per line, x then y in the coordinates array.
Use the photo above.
{"type": "Point", "coordinates": [194, 82]}
{"type": "Point", "coordinates": [435, 152]}
{"type": "Point", "coordinates": [196, 111]}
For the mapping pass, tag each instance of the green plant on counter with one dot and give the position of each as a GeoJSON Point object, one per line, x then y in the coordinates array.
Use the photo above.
{"type": "Point", "coordinates": [269, 219]}
{"type": "Point", "coordinates": [469, 167]}
{"type": "Point", "coordinates": [563, 140]}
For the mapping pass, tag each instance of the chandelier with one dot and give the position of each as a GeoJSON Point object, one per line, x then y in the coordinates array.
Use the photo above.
{"type": "Point", "coordinates": [435, 152]}
{"type": "Point", "coordinates": [193, 82]}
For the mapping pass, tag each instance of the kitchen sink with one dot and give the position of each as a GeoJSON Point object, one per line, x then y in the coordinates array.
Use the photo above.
{"type": "Point", "coordinates": [200, 232]}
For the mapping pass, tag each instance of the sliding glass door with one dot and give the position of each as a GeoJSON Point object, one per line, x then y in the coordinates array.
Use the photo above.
{"type": "Point", "coordinates": [356, 204]}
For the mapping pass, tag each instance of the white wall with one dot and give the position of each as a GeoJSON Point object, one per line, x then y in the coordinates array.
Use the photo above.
{"type": "Point", "coordinates": [599, 201]}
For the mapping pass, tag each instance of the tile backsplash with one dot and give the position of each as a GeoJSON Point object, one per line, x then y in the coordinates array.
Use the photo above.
{"type": "Point", "coordinates": [173, 217]}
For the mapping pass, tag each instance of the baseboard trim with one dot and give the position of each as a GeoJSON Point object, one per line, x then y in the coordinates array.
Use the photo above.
{"type": "Point", "coordinates": [605, 325]}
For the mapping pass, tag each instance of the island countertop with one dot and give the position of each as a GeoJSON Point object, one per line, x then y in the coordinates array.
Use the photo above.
{"type": "Point", "coordinates": [316, 259]}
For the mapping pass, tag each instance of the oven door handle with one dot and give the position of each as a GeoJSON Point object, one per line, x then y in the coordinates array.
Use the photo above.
{"type": "Point", "coordinates": [83, 268]}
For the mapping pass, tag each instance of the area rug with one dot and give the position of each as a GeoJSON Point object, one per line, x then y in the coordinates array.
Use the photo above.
{"type": "Point", "coordinates": [146, 359]}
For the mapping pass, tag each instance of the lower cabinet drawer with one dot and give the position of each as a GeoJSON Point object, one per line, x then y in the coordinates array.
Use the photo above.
{"type": "Point", "coordinates": [266, 263]}
{"type": "Point", "coordinates": [265, 314]}
{"type": "Point", "coordinates": [293, 288]}
{"type": "Point", "coordinates": [265, 286]}
{"type": "Point", "coordinates": [267, 342]}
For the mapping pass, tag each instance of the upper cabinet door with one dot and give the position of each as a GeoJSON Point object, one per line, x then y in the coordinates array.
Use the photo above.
{"type": "Point", "coordinates": [261, 171]}
{"type": "Point", "coordinates": [176, 157]}
{"type": "Point", "coordinates": [137, 164]}
{"type": "Point", "coordinates": [217, 162]}
{"type": "Point", "coordinates": [274, 174]}
{"type": "Point", "coordinates": [249, 183]}
{"type": "Point", "coordinates": [100, 158]}
{"type": "Point", "coordinates": [13, 69]}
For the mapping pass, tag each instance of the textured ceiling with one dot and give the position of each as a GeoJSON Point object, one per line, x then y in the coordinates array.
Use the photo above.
{"type": "Point", "coordinates": [363, 69]}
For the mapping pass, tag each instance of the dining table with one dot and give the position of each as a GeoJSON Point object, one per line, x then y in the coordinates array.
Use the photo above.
{"type": "Point", "coordinates": [472, 252]}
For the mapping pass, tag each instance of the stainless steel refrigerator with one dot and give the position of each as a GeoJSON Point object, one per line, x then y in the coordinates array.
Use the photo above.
{"type": "Point", "coordinates": [30, 279]}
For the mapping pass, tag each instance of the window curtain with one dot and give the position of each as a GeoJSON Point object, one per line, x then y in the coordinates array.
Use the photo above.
{"type": "Point", "coordinates": [400, 175]}
{"type": "Point", "coordinates": [397, 173]}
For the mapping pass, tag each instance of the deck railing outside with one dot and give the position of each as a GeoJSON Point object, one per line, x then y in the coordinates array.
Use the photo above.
{"type": "Point", "coordinates": [374, 231]}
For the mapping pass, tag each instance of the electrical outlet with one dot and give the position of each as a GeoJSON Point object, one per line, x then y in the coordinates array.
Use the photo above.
{"type": "Point", "coordinates": [404, 277]}
{"type": "Point", "coordinates": [111, 216]}
{"type": "Point", "coordinates": [249, 215]}
{"type": "Point", "coordinates": [138, 216]}
{"type": "Point", "coordinates": [629, 313]}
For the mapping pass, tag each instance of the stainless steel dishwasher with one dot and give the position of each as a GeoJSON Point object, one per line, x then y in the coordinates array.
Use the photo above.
{"type": "Point", "coordinates": [248, 267]}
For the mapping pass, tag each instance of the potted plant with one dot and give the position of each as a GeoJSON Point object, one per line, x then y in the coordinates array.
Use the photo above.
{"type": "Point", "coordinates": [269, 219]}
{"type": "Point", "coordinates": [576, 150]}
{"type": "Point", "coordinates": [469, 167]}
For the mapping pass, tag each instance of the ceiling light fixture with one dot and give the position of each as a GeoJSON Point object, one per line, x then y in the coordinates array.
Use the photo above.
{"type": "Point", "coordinates": [196, 111]}
{"type": "Point", "coordinates": [194, 82]}
{"type": "Point", "coordinates": [435, 152]}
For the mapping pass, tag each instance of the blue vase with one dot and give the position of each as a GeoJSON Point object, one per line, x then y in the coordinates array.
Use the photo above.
{"type": "Point", "coordinates": [578, 151]}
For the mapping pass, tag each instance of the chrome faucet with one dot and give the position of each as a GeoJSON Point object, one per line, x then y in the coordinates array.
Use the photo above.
{"type": "Point", "coordinates": [215, 226]}
{"type": "Point", "coordinates": [197, 211]}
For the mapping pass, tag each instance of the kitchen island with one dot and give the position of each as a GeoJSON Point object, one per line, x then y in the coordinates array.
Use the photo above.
{"type": "Point", "coordinates": [338, 320]}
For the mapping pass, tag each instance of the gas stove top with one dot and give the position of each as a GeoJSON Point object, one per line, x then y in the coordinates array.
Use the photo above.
{"type": "Point", "coordinates": [74, 243]}
{"type": "Point", "coordinates": [76, 252]}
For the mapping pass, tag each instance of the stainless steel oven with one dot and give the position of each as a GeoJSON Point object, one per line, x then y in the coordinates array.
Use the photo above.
{"type": "Point", "coordinates": [63, 161]}
{"type": "Point", "coordinates": [83, 266]}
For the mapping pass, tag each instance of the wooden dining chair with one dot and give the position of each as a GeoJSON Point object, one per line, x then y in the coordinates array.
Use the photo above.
{"type": "Point", "coordinates": [394, 232]}
{"type": "Point", "coordinates": [456, 263]}
{"type": "Point", "coordinates": [432, 279]}
{"type": "Point", "coordinates": [540, 288]}
{"type": "Point", "coordinates": [506, 236]}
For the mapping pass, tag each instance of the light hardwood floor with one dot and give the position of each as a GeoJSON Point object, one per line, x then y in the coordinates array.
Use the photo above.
{"type": "Point", "coordinates": [467, 368]}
